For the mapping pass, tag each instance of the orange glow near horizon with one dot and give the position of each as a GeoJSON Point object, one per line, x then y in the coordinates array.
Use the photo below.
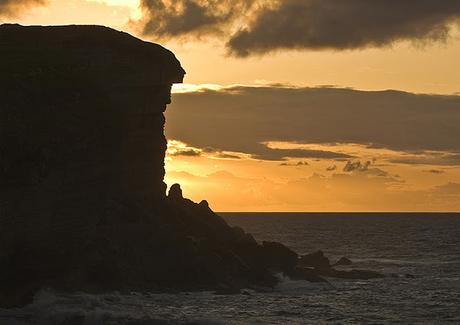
{"type": "Point", "coordinates": [303, 185]}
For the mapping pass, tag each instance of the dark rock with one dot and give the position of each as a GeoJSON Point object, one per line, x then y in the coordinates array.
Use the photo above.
{"type": "Point", "coordinates": [175, 192]}
{"type": "Point", "coordinates": [239, 232]}
{"type": "Point", "coordinates": [313, 267]}
{"type": "Point", "coordinates": [243, 237]}
{"type": "Point", "coordinates": [18, 296]}
{"type": "Point", "coordinates": [279, 257]}
{"type": "Point", "coordinates": [204, 205]}
{"type": "Point", "coordinates": [81, 136]}
{"type": "Point", "coordinates": [317, 260]}
{"type": "Point", "coordinates": [343, 261]}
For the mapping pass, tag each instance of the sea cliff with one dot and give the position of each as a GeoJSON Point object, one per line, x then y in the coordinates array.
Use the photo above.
{"type": "Point", "coordinates": [82, 199]}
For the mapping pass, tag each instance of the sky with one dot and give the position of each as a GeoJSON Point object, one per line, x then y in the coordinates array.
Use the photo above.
{"type": "Point", "coordinates": [300, 105]}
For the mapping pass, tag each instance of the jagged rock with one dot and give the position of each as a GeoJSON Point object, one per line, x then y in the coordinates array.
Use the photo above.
{"type": "Point", "coordinates": [243, 237]}
{"type": "Point", "coordinates": [175, 192]}
{"type": "Point", "coordinates": [315, 266]}
{"type": "Point", "coordinates": [279, 256]}
{"type": "Point", "coordinates": [343, 261]}
{"type": "Point", "coordinates": [204, 205]}
{"type": "Point", "coordinates": [317, 260]}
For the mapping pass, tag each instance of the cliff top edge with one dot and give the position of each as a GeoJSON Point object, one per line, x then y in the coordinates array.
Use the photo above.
{"type": "Point", "coordinates": [89, 48]}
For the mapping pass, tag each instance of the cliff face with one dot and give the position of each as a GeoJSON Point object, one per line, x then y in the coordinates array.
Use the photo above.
{"type": "Point", "coordinates": [81, 125]}
{"type": "Point", "coordinates": [81, 133]}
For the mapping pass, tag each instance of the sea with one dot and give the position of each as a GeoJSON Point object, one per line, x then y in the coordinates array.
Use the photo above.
{"type": "Point", "coordinates": [421, 252]}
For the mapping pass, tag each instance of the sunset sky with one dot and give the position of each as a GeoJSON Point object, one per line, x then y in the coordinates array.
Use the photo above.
{"type": "Point", "coordinates": [300, 105]}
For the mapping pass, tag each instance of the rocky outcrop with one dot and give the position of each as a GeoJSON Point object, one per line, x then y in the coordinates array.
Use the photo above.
{"type": "Point", "coordinates": [343, 261]}
{"type": "Point", "coordinates": [81, 139]}
{"type": "Point", "coordinates": [315, 266]}
{"type": "Point", "coordinates": [82, 199]}
{"type": "Point", "coordinates": [316, 260]}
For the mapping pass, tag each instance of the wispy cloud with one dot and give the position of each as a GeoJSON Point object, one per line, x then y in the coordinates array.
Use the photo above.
{"type": "Point", "coordinates": [178, 148]}
{"type": "Point", "coordinates": [435, 171]}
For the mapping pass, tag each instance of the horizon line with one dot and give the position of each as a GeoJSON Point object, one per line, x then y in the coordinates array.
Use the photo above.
{"type": "Point", "coordinates": [347, 212]}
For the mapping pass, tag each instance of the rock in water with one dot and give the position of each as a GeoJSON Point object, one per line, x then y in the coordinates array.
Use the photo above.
{"type": "Point", "coordinates": [279, 256]}
{"type": "Point", "coordinates": [317, 260]}
{"type": "Point", "coordinates": [343, 261]}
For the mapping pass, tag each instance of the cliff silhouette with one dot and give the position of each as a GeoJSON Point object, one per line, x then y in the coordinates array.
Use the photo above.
{"type": "Point", "coordinates": [83, 205]}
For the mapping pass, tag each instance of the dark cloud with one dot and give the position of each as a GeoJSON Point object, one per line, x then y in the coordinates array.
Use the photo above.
{"type": "Point", "coordinates": [241, 119]}
{"type": "Point", "coordinates": [207, 150]}
{"type": "Point", "coordinates": [298, 164]}
{"type": "Point", "coordinates": [12, 7]}
{"type": "Point", "coordinates": [187, 153]}
{"type": "Point", "coordinates": [434, 171]}
{"type": "Point", "coordinates": [263, 152]}
{"type": "Point", "coordinates": [429, 158]}
{"type": "Point", "coordinates": [227, 156]}
{"type": "Point", "coordinates": [351, 24]}
{"type": "Point", "coordinates": [190, 17]}
{"type": "Point", "coordinates": [301, 24]}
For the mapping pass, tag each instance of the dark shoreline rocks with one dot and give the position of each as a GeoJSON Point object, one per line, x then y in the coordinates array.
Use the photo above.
{"type": "Point", "coordinates": [83, 205]}
{"type": "Point", "coordinates": [316, 260]}
{"type": "Point", "coordinates": [343, 261]}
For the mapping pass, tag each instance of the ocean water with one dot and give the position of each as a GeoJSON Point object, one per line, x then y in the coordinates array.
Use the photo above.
{"type": "Point", "coordinates": [426, 246]}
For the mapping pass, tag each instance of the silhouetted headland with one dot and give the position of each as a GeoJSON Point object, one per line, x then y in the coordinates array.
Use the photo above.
{"type": "Point", "coordinates": [83, 205]}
